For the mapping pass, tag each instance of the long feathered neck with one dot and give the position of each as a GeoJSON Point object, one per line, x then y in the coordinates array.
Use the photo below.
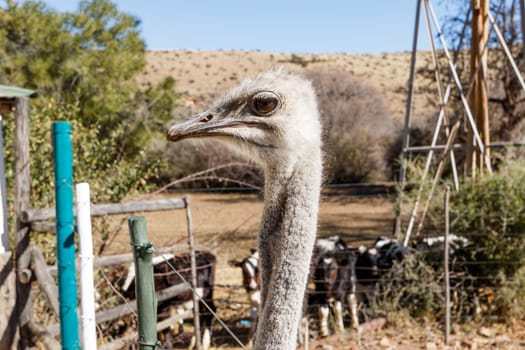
{"type": "Point", "coordinates": [286, 242]}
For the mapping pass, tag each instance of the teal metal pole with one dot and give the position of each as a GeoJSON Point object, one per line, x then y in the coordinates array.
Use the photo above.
{"type": "Point", "coordinates": [65, 227]}
{"type": "Point", "coordinates": [144, 283]}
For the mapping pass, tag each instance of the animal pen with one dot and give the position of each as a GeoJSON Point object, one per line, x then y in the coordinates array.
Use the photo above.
{"type": "Point", "coordinates": [38, 221]}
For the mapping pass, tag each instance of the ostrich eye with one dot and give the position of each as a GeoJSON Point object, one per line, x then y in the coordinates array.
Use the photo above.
{"type": "Point", "coordinates": [265, 103]}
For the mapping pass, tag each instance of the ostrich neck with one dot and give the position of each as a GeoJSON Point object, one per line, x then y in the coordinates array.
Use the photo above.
{"type": "Point", "coordinates": [286, 241]}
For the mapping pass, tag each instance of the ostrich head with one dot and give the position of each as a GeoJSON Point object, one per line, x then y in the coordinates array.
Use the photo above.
{"type": "Point", "coordinates": [272, 119]}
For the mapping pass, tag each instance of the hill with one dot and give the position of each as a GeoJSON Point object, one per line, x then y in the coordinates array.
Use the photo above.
{"type": "Point", "coordinates": [200, 75]}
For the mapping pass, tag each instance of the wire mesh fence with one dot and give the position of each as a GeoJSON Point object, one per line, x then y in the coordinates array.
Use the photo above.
{"type": "Point", "coordinates": [480, 289]}
{"type": "Point", "coordinates": [415, 284]}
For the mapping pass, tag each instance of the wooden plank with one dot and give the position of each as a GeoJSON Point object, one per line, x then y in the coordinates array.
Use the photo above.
{"type": "Point", "coordinates": [103, 261]}
{"type": "Point", "coordinates": [45, 280]}
{"type": "Point", "coordinates": [479, 98]}
{"type": "Point", "coordinates": [125, 309]}
{"type": "Point", "coordinates": [43, 214]}
{"type": "Point", "coordinates": [42, 226]}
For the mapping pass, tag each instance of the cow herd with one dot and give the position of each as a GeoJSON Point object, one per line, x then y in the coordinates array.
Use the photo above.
{"type": "Point", "coordinates": [345, 276]}
{"type": "Point", "coordinates": [342, 276]}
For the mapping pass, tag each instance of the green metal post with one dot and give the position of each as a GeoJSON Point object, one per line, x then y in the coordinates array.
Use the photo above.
{"type": "Point", "coordinates": [144, 283]}
{"type": "Point", "coordinates": [65, 227]}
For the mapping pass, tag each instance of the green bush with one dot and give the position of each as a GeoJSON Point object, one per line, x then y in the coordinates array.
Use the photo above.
{"type": "Point", "coordinates": [110, 178]}
{"type": "Point", "coordinates": [490, 212]}
{"type": "Point", "coordinates": [488, 274]}
{"type": "Point", "coordinates": [510, 299]}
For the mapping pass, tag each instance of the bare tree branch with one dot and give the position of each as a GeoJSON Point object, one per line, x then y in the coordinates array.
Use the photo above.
{"type": "Point", "coordinates": [208, 175]}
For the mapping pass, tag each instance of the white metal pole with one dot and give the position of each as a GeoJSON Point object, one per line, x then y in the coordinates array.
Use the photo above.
{"type": "Point", "coordinates": [87, 290]}
{"type": "Point", "coordinates": [445, 262]}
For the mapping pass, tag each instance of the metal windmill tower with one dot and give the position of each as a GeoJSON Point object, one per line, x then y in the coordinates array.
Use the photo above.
{"type": "Point", "coordinates": [473, 97]}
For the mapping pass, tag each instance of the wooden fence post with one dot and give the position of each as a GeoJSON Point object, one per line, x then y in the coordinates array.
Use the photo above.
{"type": "Point", "coordinates": [21, 203]}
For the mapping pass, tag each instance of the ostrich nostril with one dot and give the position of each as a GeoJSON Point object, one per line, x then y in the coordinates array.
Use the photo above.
{"type": "Point", "coordinates": [206, 118]}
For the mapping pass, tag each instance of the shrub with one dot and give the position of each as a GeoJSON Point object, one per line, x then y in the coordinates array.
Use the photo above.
{"type": "Point", "coordinates": [203, 165]}
{"type": "Point", "coordinates": [414, 286]}
{"type": "Point", "coordinates": [510, 299]}
{"type": "Point", "coordinates": [490, 212]}
{"type": "Point", "coordinates": [357, 125]}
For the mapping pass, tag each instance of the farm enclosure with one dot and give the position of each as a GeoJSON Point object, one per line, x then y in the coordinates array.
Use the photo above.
{"type": "Point", "coordinates": [226, 223]}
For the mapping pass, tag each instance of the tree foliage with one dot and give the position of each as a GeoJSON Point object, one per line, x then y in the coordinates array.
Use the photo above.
{"type": "Point", "coordinates": [84, 64]}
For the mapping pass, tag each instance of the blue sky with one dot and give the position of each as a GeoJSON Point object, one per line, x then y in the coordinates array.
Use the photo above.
{"type": "Point", "coordinates": [329, 26]}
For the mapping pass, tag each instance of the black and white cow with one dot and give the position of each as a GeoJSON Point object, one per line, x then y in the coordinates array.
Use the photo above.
{"type": "Point", "coordinates": [334, 279]}
{"type": "Point", "coordinates": [172, 269]}
{"type": "Point", "coordinates": [432, 249]}
{"type": "Point", "coordinates": [251, 281]}
{"type": "Point", "coordinates": [374, 262]}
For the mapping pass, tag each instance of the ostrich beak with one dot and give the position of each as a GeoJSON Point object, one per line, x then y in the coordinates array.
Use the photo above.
{"type": "Point", "coordinates": [206, 124]}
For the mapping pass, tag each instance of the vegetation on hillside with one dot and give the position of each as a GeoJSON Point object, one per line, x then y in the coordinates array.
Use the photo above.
{"type": "Point", "coordinates": [360, 139]}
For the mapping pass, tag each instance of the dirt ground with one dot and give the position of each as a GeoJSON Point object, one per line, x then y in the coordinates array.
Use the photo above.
{"type": "Point", "coordinates": [227, 224]}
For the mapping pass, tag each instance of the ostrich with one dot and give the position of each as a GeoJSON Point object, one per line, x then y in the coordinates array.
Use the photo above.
{"type": "Point", "coordinates": [274, 121]}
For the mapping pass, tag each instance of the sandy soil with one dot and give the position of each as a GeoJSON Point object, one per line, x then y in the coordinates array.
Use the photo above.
{"type": "Point", "coordinates": [227, 223]}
